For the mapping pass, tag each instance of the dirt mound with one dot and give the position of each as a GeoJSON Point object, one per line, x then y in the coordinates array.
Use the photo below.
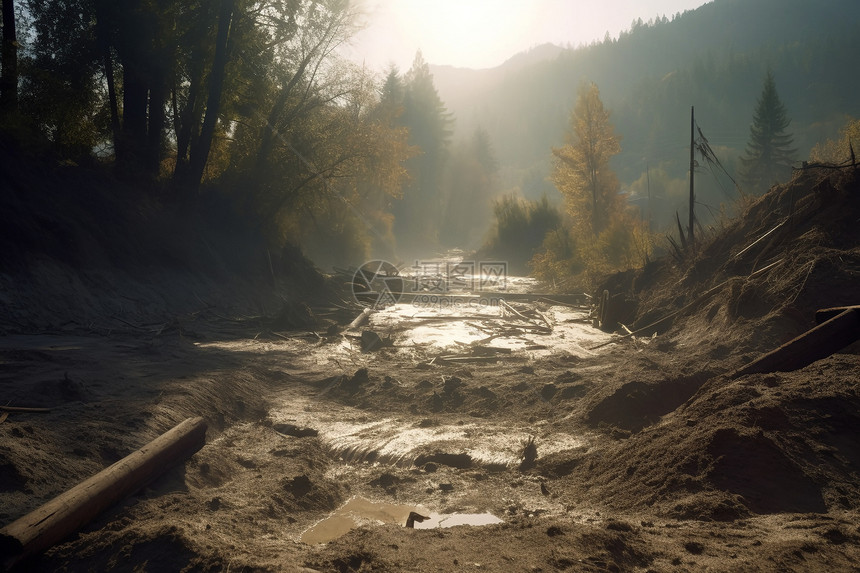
{"type": "Point", "coordinates": [761, 444]}
{"type": "Point", "coordinates": [693, 443]}
{"type": "Point", "coordinates": [756, 282]}
{"type": "Point", "coordinates": [637, 404]}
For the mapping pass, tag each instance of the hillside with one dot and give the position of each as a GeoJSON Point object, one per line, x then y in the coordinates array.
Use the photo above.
{"type": "Point", "coordinates": [713, 58]}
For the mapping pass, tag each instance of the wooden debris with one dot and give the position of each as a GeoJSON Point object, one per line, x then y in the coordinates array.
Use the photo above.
{"type": "Point", "coordinates": [413, 517]}
{"type": "Point", "coordinates": [69, 511]}
{"type": "Point", "coordinates": [825, 314]}
{"type": "Point", "coordinates": [820, 342]}
{"type": "Point", "coordinates": [24, 410]}
{"type": "Point", "coordinates": [361, 318]}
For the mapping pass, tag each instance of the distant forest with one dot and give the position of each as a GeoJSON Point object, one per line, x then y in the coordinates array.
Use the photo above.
{"type": "Point", "coordinates": [714, 58]}
{"type": "Point", "coordinates": [251, 105]}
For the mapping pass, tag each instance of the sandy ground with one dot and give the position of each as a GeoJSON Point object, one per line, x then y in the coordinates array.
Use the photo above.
{"type": "Point", "coordinates": [646, 455]}
{"type": "Point", "coordinates": [615, 486]}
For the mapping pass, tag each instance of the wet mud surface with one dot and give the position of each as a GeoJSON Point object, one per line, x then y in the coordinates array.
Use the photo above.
{"type": "Point", "coordinates": [317, 452]}
{"type": "Point", "coordinates": [643, 454]}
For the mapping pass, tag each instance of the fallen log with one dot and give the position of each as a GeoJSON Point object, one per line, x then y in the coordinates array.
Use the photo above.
{"type": "Point", "coordinates": [69, 511]}
{"type": "Point", "coordinates": [820, 342]}
{"type": "Point", "coordinates": [24, 410]}
{"type": "Point", "coordinates": [825, 314]}
{"type": "Point", "coordinates": [361, 318]}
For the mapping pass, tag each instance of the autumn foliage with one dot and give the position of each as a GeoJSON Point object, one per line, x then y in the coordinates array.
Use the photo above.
{"type": "Point", "coordinates": [603, 233]}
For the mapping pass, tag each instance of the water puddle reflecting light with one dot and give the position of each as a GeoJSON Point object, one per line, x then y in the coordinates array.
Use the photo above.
{"type": "Point", "coordinates": [359, 511]}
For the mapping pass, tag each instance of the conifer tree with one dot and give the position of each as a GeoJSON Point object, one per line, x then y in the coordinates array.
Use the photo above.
{"type": "Point", "coordinates": [769, 151]}
{"type": "Point", "coordinates": [9, 76]}
{"type": "Point", "coordinates": [429, 124]}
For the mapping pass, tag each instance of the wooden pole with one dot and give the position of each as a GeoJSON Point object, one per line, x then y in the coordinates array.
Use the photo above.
{"type": "Point", "coordinates": [820, 342]}
{"type": "Point", "coordinates": [71, 510]}
{"type": "Point", "coordinates": [648, 178]}
{"type": "Point", "coordinates": [692, 171]}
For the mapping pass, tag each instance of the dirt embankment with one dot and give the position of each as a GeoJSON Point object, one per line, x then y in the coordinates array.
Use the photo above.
{"type": "Point", "coordinates": [649, 456]}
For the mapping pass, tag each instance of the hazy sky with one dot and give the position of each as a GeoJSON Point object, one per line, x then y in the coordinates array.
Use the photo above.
{"type": "Point", "coordinates": [485, 33]}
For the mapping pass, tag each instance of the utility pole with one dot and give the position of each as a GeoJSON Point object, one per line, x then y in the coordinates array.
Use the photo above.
{"type": "Point", "coordinates": [692, 170]}
{"type": "Point", "coordinates": [648, 177]}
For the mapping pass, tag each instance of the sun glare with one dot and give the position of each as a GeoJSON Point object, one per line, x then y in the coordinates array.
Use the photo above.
{"type": "Point", "coordinates": [477, 33]}
{"type": "Point", "coordinates": [485, 33]}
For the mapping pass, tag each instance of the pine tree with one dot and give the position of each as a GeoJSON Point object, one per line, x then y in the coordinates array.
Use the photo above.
{"type": "Point", "coordinates": [429, 123]}
{"type": "Point", "coordinates": [769, 152]}
{"type": "Point", "coordinates": [9, 76]}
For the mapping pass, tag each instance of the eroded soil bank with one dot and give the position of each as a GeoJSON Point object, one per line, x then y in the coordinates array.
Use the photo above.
{"type": "Point", "coordinates": [648, 455]}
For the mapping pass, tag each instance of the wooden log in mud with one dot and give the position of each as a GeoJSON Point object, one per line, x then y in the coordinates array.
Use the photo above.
{"type": "Point", "coordinates": [820, 342]}
{"type": "Point", "coordinates": [825, 314]}
{"type": "Point", "coordinates": [24, 410]}
{"type": "Point", "coordinates": [69, 511]}
{"type": "Point", "coordinates": [361, 318]}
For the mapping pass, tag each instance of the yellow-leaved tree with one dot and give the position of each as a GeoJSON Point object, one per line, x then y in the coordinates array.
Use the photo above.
{"type": "Point", "coordinates": [581, 172]}
{"type": "Point", "coordinates": [605, 234]}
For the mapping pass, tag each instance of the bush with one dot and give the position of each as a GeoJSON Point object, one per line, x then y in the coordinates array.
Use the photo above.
{"type": "Point", "coordinates": [574, 256]}
{"type": "Point", "coordinates": [520, 229]}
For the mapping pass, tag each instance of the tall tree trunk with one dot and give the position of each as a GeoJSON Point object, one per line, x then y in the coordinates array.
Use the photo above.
{"type": "Point", "coordinates": [155, 132]}
{"type": "Point", "coordinates": [134, 100]}
{"type": "Point", "coordinates": [9, 81]}
{"type": "Point", "coordinates": [102, 30]}
{"type": "Point", "coordinates": [189, 118]}
{"type": "Point", "coordinates": [200, 152]}
{"type": "Point", "coordinates": [112, 99]}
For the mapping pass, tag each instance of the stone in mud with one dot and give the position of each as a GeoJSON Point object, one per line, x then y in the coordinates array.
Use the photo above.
{"type": "Point", "coordinates": [385, 480]}
{"type": "Point", "coordinates": [295, 431]}
{"type": "Point", "coordinates": [459, 461]}
{"type": "Point", "coordinates": [360, 377]}
{"type": "Point", "coordinates": [485, 392]}
{"type": "Point", "coordinates": [370, 341]}
{"type": "Point", "coordinates": [298, 486]}
{"type": "Point", "coordinates": [548, 391]}
{"type": "Point", "coordinates": [451, 383]}
{"type": "Point", "coordinates": [575, 391]}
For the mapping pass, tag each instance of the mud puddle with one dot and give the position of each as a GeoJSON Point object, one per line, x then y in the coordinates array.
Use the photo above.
{"type": "Point", "coordinates": [358, 512]}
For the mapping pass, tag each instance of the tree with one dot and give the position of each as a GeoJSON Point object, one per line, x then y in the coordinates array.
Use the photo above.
{"type": "Point", "coordinates": [582, 173]}
{"type": "Point", "coordinates": [9, 79]}
{"type": "Point", "coordinates": [769, 152]}
{"type": "Point", "coordinates": [60, 91]}
{"type": "Point", "coordinates": [200, 151]}
{"type": "Point", "coordinates": [471, 184]}
{"type": "Point", "coordinates": [607, 234]}
{"type": "Point", "coordinates": [429, 125]}
{"type": "Point", "coordinates": [301, 66]}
